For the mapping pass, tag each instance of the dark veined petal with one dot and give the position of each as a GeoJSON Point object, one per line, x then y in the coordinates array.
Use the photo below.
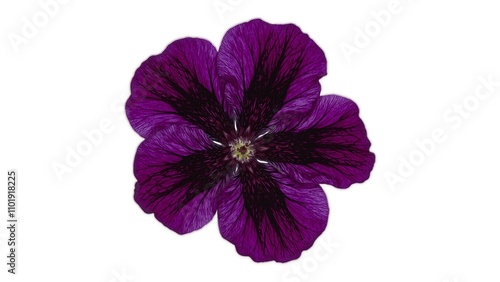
{"type": "Point", "coordinates": [330, 145]}
{"type": "Point", "coordinates": [271, 217]}
{"type": "Point", "coordinates": [270, 71]}
{"type": "Point", "coordinates": [179, 172]}
{"type": "Point", "coordinates": [178, 86]}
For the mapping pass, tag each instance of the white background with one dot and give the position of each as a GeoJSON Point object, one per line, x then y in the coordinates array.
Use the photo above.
{"type": "Point", "coordinates": [441, 224]}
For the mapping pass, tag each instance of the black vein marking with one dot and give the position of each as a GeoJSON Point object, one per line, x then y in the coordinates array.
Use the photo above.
{"type": "Point", "coordinates": [195, 174]}
{"type": "Point", "coordinates": [181, 89]}
{"type": "Point", "coordinates": [266, 206]}
{"type": "Point", "coordinates": [272, 78]}
{"type": "Point", "coordinates": [336, 146]}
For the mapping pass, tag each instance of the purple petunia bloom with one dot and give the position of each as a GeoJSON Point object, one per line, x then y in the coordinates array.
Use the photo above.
{"type": "Point", "coordinates": [244, 132]}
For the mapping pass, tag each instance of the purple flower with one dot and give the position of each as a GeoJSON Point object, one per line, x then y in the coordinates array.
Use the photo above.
{"type": "Point", "coordinates": [245, 133]}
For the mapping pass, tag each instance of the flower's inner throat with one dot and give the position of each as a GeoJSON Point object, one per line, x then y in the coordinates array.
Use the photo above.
{"type": "Point", "coordinates": [242, 150]}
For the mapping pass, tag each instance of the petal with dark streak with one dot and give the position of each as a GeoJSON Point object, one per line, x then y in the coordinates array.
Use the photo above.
{"type": "Point", "coordinates": [329, 145]}
{"type": "Point", "coordinates": [270, 217]}
{"type": "Point", "coordinates": [178, 86]}
{"type": "Point", "coordinates": [270, 72]}
{"type": "Point", "coordinates": [179, 171]}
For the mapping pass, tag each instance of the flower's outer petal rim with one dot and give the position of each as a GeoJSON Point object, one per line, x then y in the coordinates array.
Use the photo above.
{"type": "Point", "coordinates": [269, 217]}
{"type": "Point", "coordinates": [330, 145]}
{"type": "Point", "coordinates": [178, 86]}
{"type": "Point", "coordinates": [175, 180]}
{"type": "Point", "coordinates": [270, 72]}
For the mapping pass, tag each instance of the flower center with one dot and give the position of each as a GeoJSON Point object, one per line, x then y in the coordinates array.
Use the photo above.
{"type": "Point", "coordinates": [241, 150]}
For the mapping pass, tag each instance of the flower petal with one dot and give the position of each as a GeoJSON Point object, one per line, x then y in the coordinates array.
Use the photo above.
{"type": "Point", "coordinates": [178, 86]}
{"type": "Point", "coordinates": [270, 71]}
{"type": "Point", "coordinates": [178, 173]}
{"type": "Point", "coordinates": [329, 145]}
{"type": "Point", "coordinates": [269, 217]}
